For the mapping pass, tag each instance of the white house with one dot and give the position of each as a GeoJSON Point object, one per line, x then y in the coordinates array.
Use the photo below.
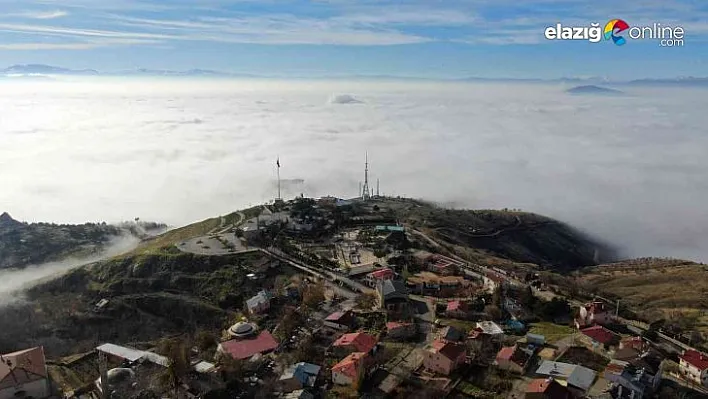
{"type": "Point", "coordinates": [694, 366]}
{"type": "Point", "coordinates": [349, 370]}
{"type": "Point", "coordinates": [259, 303]}
{"type": "Point", "coordinates": [593, 313]}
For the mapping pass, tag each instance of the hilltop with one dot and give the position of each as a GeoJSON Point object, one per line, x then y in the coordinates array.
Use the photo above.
{"type": "Point", "coordinates": [23, 244]}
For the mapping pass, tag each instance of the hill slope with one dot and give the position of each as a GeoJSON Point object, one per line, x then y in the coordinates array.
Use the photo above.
{"type": "Point", "coordinates": [150, 296]}
{"type": "Point", "coordinates": [517, 236]}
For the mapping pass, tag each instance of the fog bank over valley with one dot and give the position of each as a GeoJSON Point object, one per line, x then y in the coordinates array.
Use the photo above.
{"type": "Point", "coordinates": [627, 169]}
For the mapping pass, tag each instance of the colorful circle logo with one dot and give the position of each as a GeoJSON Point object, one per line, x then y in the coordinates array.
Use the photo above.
{"type": "Point", "coordinates": [614, 27]}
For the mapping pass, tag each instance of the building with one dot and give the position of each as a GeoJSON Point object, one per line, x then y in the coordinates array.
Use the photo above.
{"type": "Point", "coordinates": [298, 376]}
{"type": "Point", "coordinates": [577, 378]}
{"type": "Point", "coordinates": [299, 394]}
{"type": "Point", "coordinates": [350, 370]}
{"type": "Point", "coordinates": [457, 309]}
{"type": "Point", "coordinates": [124, 354]}
{"type": "Point", "coordinates": [638, 378]}
{"type": "Point", "coordinates": [599, 337]}
{"type": "Point", "coordinates": [23, 374]}
{"type": "Point", "coordinates": [547, 388]}
{"type": "Point", "coordinates": [400, 330]}
{"type": "Point", "coordinates": [535, 339]}
{"type": "Point", "coordinates": [694, 366]}
{"type": "Point", "coordinates": [392, 295]}
{"type": "Point", "coordinates": [444, 357]}
{"type": "Point", "coordinates": [443, 265]}
{"type": "Point", "coordinates": [592, 313]}
{"type": "Point", "coordinates": [242, 329]}
{"type": "Point", "coordinates": [450, 334]}
{"type": "Point", "coordinates": [378, 275]}
{"type": "Point", "coordinates": [354, 342]}
{"type": "Point", "coordinates": [490, 329]}
{"type": "Point", "coordinates": [259, 303]}
{"type": "Point", "coordinates": [513, 358]}
{"type": "Point", "coordinates": [344, 320]}
{"type": "Point", "coordinates": [241, 349]}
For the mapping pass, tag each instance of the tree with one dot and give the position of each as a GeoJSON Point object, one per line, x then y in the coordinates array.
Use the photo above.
{"type": "Point", "coordinates": [205, 340]}
{"type": "Point", "coordinates": [528, 299]}
{"type": "Point", "coordinates": [497, 297]}
{"type": "Point", "coordinates": [493, 312]}
{"type": "Point", "coordinates": [177, 353]}
{"type": "Point", "coordinates": [231, 369]}
{"type": "Point", "coordinates": [366, 301]}
{"type": "Point", "coordinates": [313, 294]}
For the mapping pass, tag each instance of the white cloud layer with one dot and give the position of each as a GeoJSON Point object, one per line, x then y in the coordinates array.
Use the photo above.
{"type": "Point", "coordinates": [627, 169]}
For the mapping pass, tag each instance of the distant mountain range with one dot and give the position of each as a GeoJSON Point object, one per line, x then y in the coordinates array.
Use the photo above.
{"type": "Point", "coordinates": [593, 90]}
{"type": "Point", "coordinates": [41, 71]}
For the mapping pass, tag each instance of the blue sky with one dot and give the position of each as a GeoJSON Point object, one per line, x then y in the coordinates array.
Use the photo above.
{"type": "Point", "coordinates": [429, 38]}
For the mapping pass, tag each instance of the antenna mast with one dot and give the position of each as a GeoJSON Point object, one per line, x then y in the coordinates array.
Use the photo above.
{"type": "Point", "coordinates": [377, 187]}
{"type": "Point", "coordinates": [366, 192]}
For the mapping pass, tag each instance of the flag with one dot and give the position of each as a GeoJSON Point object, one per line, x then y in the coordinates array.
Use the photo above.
{"type": "Point", "coordinates": [277, 161]}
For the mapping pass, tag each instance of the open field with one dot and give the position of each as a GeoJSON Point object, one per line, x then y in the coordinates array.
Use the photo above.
{"type": "Point", "coordinates": [654, 288]}
{"type": "Point", "coordinates": [552, 332]}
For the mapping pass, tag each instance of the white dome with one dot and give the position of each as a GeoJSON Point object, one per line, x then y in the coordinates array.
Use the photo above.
{"type": "Point", "coordinates": [242, 328]}
{"type": "Point", "coordinates": [119, 374]}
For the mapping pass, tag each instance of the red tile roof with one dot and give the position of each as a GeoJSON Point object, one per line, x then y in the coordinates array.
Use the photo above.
{"type": "Point", "coordinates": [244, 349]}
{"type": "Point", "coordinates": [549, 387]}
{"type": "Point", "coordinates": [506, 352]}
{"type": "Point", "coordinates": [448, 349]}
{"type": "Point", "coordinates": [453, 305]}
{"type": "Point", "coordinates": [382, 274]}
{"type": "Point", "coordinates": [392, 325]}
{"type": "Point", "coordinates": [363, 342]}
{"type": "Point", "coordinates": [350, 365]}
{"type": "Point", "coordinates": [600, 334]}
{"type": "Point", "coordinates": [22, 366]}
{"type": "Point", "coordinates": [697, 359]}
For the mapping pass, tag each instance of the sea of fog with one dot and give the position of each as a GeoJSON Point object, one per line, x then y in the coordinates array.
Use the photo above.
{"type": "Point", "coordinates": [631, 170]}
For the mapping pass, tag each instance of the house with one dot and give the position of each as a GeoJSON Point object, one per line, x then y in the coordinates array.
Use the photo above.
{"type": "Point", "coordinates": [457, 309]}
{"type": "Point", "coordinates": [344, 320]}
{"type": "Point", "coordinates": [443, 265]}
{"type": "Point", "coordinates": [547, 388]}
{"type": "Point", "coordinates": [23, 374]}
{"type": "Point", "coordinates": [433, 284]}
{"type": "Point", "coordinates": [377, 275]}
{"type": "Point", "coordinates": [637, 378]}
{"type": "Point", "coordinates": [450, 334]}
{"type": "Point", "coordinates": [535, 339]}
{"type": "Point", "coordinates": [400, 330]}
{"type": "Point", "coordinates": [512, 358]}
{"type": "Point", "coordinates": [490, 329]}
{"type": "Point", "coordinates": [241, 349]}
{"type": "Point", "coordinates": [298, 376]}
{"type": "Point", "coordinates": [259, 303]}
{"type": "Point", "coordinates": [577, 378]}
{"type": "Point", "coordinates": [392, 295]}
{"type": "Point", "coordinates": [354, 342]}
{"type": "Point", "coordinates": [124, 354]}
{"type": "Point", "coordinates": [299, 394]}
{"type": "Point", "coordinates": [350, 370]}
{"type": "Point", "coordinates": [444, 357]}
{"type": "Point", "coordinates": [599, 336]}
{"type": "Point", "coordinates": [693, 366]}
{"type": "Point", "coordinates": [592, 313]}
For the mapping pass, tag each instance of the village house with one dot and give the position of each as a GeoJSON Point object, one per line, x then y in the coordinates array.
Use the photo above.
{"type": "Point", "coordinates": [598, 337]}
{"type": "Point", "coordinates": [374, 277]}
{"type": "Point", "coordinates": [258, 303]}
{"type": "Point", "coordinates": [489, 329]}
{"type": "Point", "coordinates": [592, 313]}
{"type": "Point", "coordinates": [343, 320]}
{"type": "Point", "coordinates": [299, 394]}
{"type": "Point", "coordinates": [457, 309]}
{"type": "Point", "coordinates": [298, 376]}
{"type": "Point", "coordinates": [400, 330]}
{"type": "Point", "coordinates": [23, 374]}
{"type": "Point", "coordinates": [428, 283]}
{"type": "Point", "coordinates": [694, 366]}
{"type": "Point", "coordinates": [444, 357]}
{"type": "Point", "coordinates": [639, 377]}
{"type": "Point", "coordinates": [349, 370]}
{"type": "Point", "coordinates": [535, 339]}
{"type": "Point", "coordinates": [547, 388]}
{"type": "Point", "coordinates": [577, 378]}
{"type": "Point", "coordinates": [241, 349]}
{"type": "Point", "coordinates": [450, 334]}
{"type": "Point", "coordinates": [392, 296]}
{"type": "Point", "coordinates": [513, 358]}
{"type": "Point", "coordinates": [354, 342]}
{"type": "Point", "coordinates": [443, 265]}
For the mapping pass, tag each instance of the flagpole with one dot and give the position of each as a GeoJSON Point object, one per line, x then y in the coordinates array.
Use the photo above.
{"type": "Point", "coordinates": [278, 163]}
